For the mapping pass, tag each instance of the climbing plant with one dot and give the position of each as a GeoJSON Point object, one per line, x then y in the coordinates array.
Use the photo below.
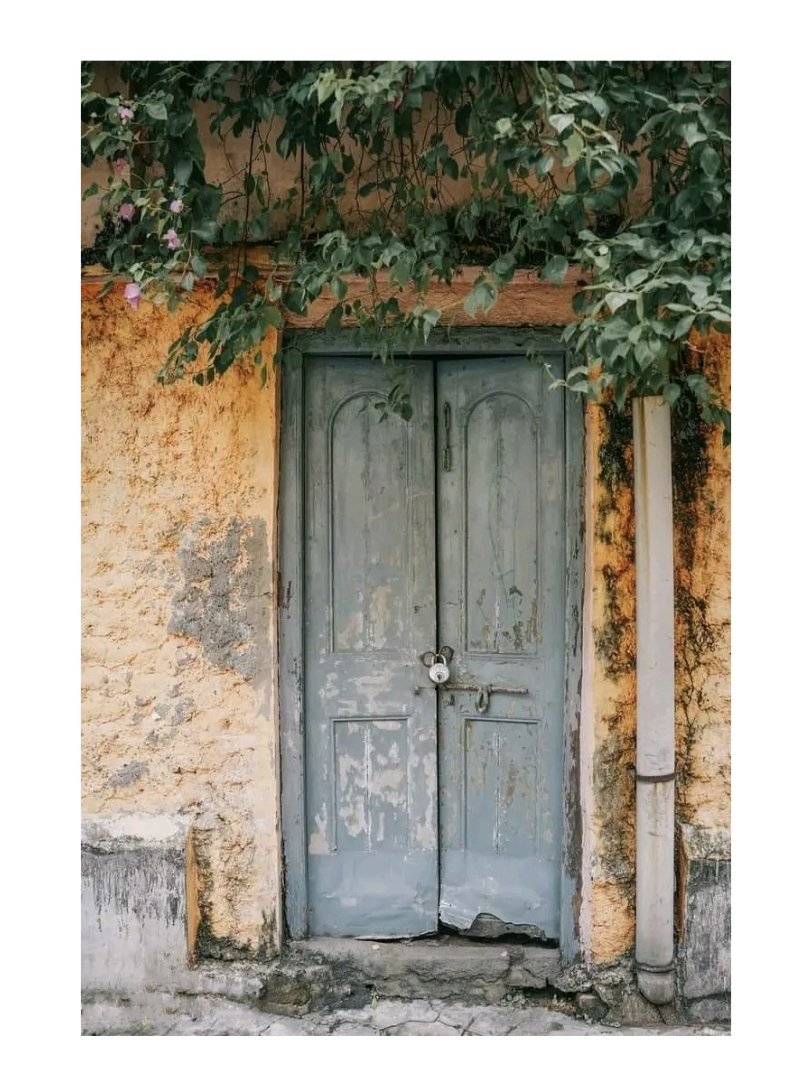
{"type": "Point", "coordinates": [404, 173]}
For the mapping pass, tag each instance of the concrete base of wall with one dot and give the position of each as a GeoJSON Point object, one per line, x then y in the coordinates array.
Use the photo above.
{"type": "Point", "coordinates": [133, 903]}
{"type": "Point", "coordinates": [136, 937]}
{"type": "Point", "coordinates": [704, 922]}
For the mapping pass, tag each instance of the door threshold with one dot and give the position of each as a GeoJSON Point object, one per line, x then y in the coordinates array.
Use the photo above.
{"type": "Point", "coordinates": [445, 965]}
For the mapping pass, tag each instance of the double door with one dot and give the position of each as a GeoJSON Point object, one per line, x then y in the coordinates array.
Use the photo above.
{"type": "Point", "coordinates": [428, 803]}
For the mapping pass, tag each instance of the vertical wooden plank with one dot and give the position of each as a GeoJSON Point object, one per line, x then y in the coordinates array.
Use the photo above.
{"type": "Point", "coordinates": [371, 824]}
{"type": "Point", "coordinates": [290, 620]}
{"type": "Point", "coordinates": [502, 551]}
{"type": "Point", "coordinates": [571, 870]}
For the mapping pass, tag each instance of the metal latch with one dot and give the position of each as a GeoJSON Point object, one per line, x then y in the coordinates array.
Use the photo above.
{"type": "Point", "coordinates": [484, 692]}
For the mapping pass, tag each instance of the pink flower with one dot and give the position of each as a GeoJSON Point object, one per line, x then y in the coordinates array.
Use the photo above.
{"type": "Point", "coordinates": [132, 294]}
{"type": "Point", "coordinates": [172, 240]}
{"type": "Point", "coordinates": [127, 211]}
{"type": "Point", "coordinates": [176, 206]}
{"type": "Point", "coordinates": [126, 114]}
{"type": "Point", "coordinates": [120, 164]}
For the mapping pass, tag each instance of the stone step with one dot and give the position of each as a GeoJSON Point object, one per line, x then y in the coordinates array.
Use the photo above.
{"type": "Point", "coordinates": [441, 967]}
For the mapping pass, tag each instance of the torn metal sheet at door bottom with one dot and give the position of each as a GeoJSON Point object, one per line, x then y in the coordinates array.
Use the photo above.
{"type": "Point", "coordinates": [520, 905]}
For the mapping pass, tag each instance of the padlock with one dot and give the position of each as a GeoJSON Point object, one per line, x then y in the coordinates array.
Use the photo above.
{"type": "Point", "coordinates": [439, 670]}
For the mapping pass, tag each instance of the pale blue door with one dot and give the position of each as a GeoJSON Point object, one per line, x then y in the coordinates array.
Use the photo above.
{"type": "Point", "coordinates": [501, 570]}
{"type": "Point", "coordinates": [371, 742]}
{"type": "Point", "coordinates": [431, 805]}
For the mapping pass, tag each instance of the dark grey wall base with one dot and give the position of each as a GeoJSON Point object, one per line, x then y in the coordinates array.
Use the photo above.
{"type": "Point", "coordinates": [704, 912]}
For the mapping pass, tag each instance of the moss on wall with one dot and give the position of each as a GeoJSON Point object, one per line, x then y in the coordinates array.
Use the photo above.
{"type": "Point", "coordinates": [701, 472]}
{"type": "Point", "coordinates": [614, 688]}
{"type": "Point", "coordinates": [701, 582]}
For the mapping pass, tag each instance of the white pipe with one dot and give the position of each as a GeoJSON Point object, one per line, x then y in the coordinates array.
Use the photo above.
{"type": "Point", "coordinates": [653, 507]}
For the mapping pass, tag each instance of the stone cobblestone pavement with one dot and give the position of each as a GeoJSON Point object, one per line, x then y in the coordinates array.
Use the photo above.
{"type": "Point", "coordinates": [167, 1014]}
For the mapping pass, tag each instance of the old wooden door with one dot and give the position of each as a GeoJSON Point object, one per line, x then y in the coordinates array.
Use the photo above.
{"type": "Point", "coordinates": [501, 547]}
{"type": "Point", "coordinates": [426, 804]}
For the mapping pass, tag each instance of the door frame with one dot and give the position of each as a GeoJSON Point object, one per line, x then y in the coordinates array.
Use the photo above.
{"type": "Point", "coordinates": [444, 344]}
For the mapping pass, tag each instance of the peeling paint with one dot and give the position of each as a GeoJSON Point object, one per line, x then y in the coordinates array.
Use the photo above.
{"type": "Point", "coordinates": [177, 487]}
{"type": "Point", "coordinates": [129, 774]}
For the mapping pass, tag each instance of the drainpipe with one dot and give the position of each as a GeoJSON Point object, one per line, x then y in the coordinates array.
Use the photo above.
{"type": "Point", "coordinates": [653, 506]}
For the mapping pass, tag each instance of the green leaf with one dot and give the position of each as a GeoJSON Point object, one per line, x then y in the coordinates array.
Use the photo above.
{"type": "Point", "coordinates": [710, 162]}
{"type": "Point", "coordinates": [682, 244]}
{"type": "Point", "coordinates": [230, 232]}
{"type": "Point", "coordinates": [339, 288]}
{"type": "Point", "coordinates": [683, 326]}
{"type": "Point", "coordinates": [462, 117]}
{"type": "Point", "coordinates": [97, 140]}
{"type": "Point", "coordinates": [615, 301]}
{"type": "Point", "coordinates": [198, 265]}
{"type": "Point", "coordinates": [544, 165]}
{"type": "Point", "coordinates": [693, 134]}
{"type": "Point", "coordinates": [272, 316]}
{"type": "Point", "coordinates": [561, 121]}
{"type": "Point", "coordinates": [555, 270]}
{"type": "Point", "coordinates": [157, 110]}
{"type": "Point", "coordinates": [671, 392]}
{"type": "Point", "coordinates": [503, 267]}
{"type": "Point", "coordinates": [295, 301]}
{"type": "Point", "coordinates": [575, 147]}
{"type": "Point", "coordinates": [482, 296]}
{"type": "Point", "coordinates": [334, 320]}
{"type": "Point", "coordinates": [182, 170]}
{"type": "Point", "coordinates": [431, 318]}
{"type": "Point", "coordinates": [187, 282]}
{"type": "Point", "coordinates": [636, 277]}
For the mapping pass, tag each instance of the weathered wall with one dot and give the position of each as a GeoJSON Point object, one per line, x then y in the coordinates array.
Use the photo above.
{"type": "Point", "coordinates": [702, 583]}
{"type": "Point", "coordinates": [179, 622]}
{"type": "Point", "coordinates": [179, 510]}
{"type": "Point", "coordinates": [701, 478]}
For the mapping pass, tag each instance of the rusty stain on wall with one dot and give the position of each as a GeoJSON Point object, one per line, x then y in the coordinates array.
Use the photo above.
{"type": "Point", "coordinates": [702, 574]}
{"type": "Point", "coordinates": [701, 476]}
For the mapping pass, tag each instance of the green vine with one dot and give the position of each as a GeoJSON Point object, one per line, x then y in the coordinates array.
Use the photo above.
{"type": "Point", "coordinates": [698, 637]}
{"type": "Point", "coordinates": [407, 171]}
{"type": "Point", "coordinates": [614, 476]}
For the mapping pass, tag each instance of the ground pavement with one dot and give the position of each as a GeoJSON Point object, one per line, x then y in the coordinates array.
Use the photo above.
{"type": "Point", "coordinates": [167, 1014]}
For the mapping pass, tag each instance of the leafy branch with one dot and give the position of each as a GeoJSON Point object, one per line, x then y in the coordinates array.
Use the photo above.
{"type": "Point", "coordinates": [407, 172]}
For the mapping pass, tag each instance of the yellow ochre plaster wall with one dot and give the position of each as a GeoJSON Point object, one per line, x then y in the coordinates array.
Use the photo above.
{"type": "Point", "coordinates": [701, 505]}
{"type": "Point", "coordinates": [179, 621]}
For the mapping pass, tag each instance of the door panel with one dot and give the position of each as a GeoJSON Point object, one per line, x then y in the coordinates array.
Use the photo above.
{"type": "Point", "coordinates": [501, 554]}
{"type": "Point", "coordinates": [371, 742]}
